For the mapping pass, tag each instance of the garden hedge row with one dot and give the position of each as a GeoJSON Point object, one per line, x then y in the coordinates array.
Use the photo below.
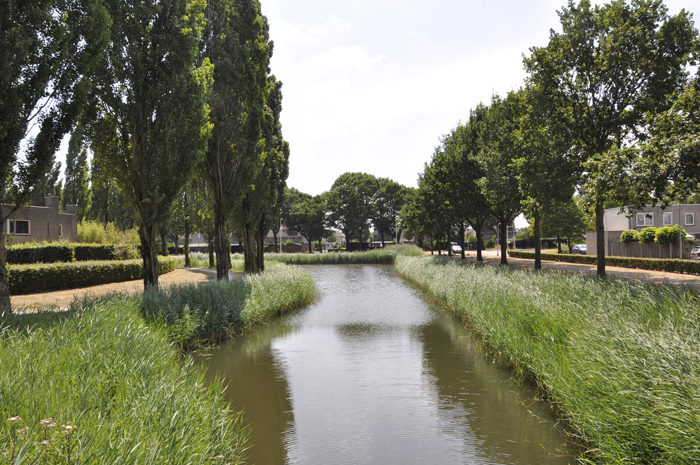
{"type": "Point", "coordinates": [651, 264]}
{"type": "Point", "coordinates": [27, 279]}
{"type": "Point", "coordinates": [62, 252]}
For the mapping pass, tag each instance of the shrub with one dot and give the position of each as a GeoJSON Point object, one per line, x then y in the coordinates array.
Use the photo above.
{"type": "Point", "coordinates": [490, 243]}
{"type": "Point", "coordinates": [92, 252]}
{"type": "Point", "coordinates": [669, 234]}
{"type": "Point", "coordinates": [92, 232]}
{"type": "Point", "coordinates": [630, 235]}
{"type": "Point", "coordinates": [39, 252]}
{"type": "Point", "coordinates": [651, 264]}
{"type": "Point", "coordinates": [387, 256]}
{"type": "Point", "coordinates": [647, 235]}
{"type": "Point", "coordinates": [27, 279]}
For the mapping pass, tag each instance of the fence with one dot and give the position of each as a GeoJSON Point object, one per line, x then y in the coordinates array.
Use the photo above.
{"type": "Point", "coordinates": [637, 250]}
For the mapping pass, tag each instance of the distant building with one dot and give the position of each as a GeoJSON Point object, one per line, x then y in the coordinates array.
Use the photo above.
{"type": "Point", "coordinates": [45, 223]}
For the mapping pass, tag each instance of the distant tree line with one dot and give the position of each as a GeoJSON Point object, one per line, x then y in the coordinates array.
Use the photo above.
{"type": "Point", "coordinates": [608, 116]}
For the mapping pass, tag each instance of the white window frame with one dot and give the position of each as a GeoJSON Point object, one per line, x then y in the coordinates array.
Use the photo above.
{"type": "Point", "coordinates": [648, 219]}
{"type": "Point", "coordinates": [60, 230]}
{"type": "Point", "coordinates": [692, 219]}
{"type": "Point", "coordinates": [668, 215]}
{"type": "Point", "coordinates": [11, 227]}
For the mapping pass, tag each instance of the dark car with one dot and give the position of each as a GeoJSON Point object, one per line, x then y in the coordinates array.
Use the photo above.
{"type": "Point", "coordinates": [579, 249]}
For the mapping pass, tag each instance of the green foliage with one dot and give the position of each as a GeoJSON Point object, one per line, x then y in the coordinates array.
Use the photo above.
{"type": "Point", "coordinates": [210, 312]}
{"type": "Point", "coordinates": [621, 360]}
{"type": "Point", "coordinates": [27, 279]}
{"type": "Point", "coordinates": [119, 384]}
{"type": "Point", "coordinates": [386, 255]}
{"type": "Point", "coordinates": [76, 190]}
{"type": "Point", "coordinates": [349, 203]}
{"type": "Point", "coordinates": [647, 235]}
{"type": "Point", "coordinates": [93, 232]}
{"type": "Point", "coordinates": [40, 252]}
{"type": "Point", "coordinates": [630, 235]}
{"type": "Point", "coordinates": [669, 234]}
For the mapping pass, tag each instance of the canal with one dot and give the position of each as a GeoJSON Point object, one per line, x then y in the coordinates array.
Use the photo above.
{"type": "Point", "coordinates": [372, 373]}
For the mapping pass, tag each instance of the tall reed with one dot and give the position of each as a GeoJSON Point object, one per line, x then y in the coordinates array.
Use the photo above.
{"type": "Point", "coordinates": [621, 360]}
{"type": "Point", "coordinates": [97, 385]}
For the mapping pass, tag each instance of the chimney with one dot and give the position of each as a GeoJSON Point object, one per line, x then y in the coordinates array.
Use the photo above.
{"type": "Point", "coordinates": [72, 209]}
{"type": "Point", "coordinates": [51, 201]}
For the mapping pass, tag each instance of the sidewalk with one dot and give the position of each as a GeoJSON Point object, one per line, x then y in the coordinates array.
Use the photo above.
{"type": "Point", "coordinates": [491, 258]}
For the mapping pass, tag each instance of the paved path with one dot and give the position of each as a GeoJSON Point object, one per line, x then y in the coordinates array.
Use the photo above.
{"type": "Point", "coordinates": [62, 299]}
{"type": "Point", "coordinates": [615, 271]}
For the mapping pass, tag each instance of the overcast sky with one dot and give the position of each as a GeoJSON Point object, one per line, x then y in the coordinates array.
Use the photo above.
{"type": "Point", "coordinates": [372, 85]}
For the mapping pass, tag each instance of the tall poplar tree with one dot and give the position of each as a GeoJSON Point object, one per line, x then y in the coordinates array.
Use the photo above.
{"type": "Point", "coordinates": [153, 124]}
{"type": "Point", "coordinates": [610, 67]}
{"type": "Point", "coordinates": [75, 190]}
{"type": "Point", "coordinates": [236, 41]}
{"type": "Point", "coordinates": [47, 52]}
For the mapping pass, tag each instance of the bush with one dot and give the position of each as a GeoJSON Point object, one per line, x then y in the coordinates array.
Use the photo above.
{"type": "Point", "coordinates": [651, 264]}
{"type": "Point", "coordinates": [647, 235]}
{"type": "Point", "coordinates": [27, 279]}
{"type": "Point", "coordinates": [39, 252]}
{"type": "Point", "coordinates": [630, 235]}
{"type": "Point", "coordinates": [490, 243]}
{"type": "Point", "coordinates": [94, 252]}
{"type": "Point", "coordinates": [669, 234]}
{"type": "Point", "coordinates": [92, 232]}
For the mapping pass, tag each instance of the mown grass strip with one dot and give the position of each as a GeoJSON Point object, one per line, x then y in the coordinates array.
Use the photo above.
{"type": "Point", "coordinates": [112, 382]}
{"type": "Point", "coordinates": [621, 360]}
{"type": "Point", "coordinates": [385, 256]}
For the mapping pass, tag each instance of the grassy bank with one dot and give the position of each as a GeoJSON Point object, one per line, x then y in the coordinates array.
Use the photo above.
{"type": "Point", "coordinates": [621, 360]}
{"type": "Point", "coordinates": [107, 374]}
{"type": "Point", "coordinates": [386, 256]}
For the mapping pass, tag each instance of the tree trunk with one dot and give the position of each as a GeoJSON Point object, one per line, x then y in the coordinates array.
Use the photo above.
{"type": "Point", "coordinates": [432, 246]}
{"type": "Point", "coordinates": [538, 239]}
{"type": "Point", "coordinates": [187, 244]}
{"type": "Point", "coordinates": [479, 245]}
{"type": "Point", "coordinates": [163, 244]}
{"type": "Point", "coordinates": [210, 249]}
{"type": "Point", "coordinates": [250, 249]}
{"type": "Point", "coordinates": [147, 234]}
{"type": "Point", "coordinates": [222, 246]}
{"type": "Point", "coordinates": [462, 230]}
{"type": "Point", "coordinates": [261, 248]}
{"type": "Point", "coordinates": [5, 304]}
{"type": "Point", "coordinates": [381, 234]}
{"type": "Point", "coordinates": [600, 236]}
{"type": "Point", "coordinates": [277, 250]}
{"type": "Point", "coordinates": [558, 244]}
{"type": "Point", "coordinates": [449, 244]}
{"type": "Point", "coordinates": [504, 243]}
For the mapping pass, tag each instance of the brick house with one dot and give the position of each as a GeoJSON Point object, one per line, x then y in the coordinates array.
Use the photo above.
{"type": "Point", "coordinates": [45, 223]}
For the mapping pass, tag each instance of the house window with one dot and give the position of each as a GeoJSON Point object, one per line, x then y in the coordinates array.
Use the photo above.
{"type": "Point", "coordinates": [645, 219]}
{"type": "Point", "coordinates": [690, 219]}
{"type": "Point", "coordinates": [668, 219]}
{"type": "Point", "coordinates": [18, 227]}
{"type": "Point", "coordinates": [60, 230]}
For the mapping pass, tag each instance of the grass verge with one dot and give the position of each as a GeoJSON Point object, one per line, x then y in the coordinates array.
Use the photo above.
{"type": "Point", "coordinates": [102, 383]}
{"type": "Point", "coordinates": [385, 256]}
{"type": "Point", "coordinates": [620, 360]}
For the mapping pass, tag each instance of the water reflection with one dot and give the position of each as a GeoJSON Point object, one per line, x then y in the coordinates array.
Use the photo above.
{"type": "Point", "coordinates": [372, 374]}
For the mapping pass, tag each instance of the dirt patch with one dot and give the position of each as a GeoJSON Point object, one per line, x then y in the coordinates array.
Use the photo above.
{"type": "Point", "coordinates": [61, 299]}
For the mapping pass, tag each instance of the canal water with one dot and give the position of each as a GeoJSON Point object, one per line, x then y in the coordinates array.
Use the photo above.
{"type": "Point", "coordinates": [372, 373]}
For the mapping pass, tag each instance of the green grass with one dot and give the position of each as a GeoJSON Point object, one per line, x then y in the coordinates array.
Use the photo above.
{"type": "Point", "coordinates": [103, 370]}
{"type": "Point", "coordinates": [620, 360]}
{"type": "Point", "coordinates": [112, 368]}
{"type": "Point", "coordinates": [197, 314]}
{"type": "Point", "coordinates": [386, 255]}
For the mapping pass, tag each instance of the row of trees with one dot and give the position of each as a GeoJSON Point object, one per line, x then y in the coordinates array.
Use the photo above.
{"type": "Point", "coordinates": [599, 115]}
{"type": "Point", "coordinates": [354, 202]}
{"type": "Point", "coordinates": [175, 99]}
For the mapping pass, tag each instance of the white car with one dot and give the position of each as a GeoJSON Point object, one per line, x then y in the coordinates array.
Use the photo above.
{"type": "Point", "coordinates": [456, 248]}
{"type": "Point", "coordinates": [695, 253]}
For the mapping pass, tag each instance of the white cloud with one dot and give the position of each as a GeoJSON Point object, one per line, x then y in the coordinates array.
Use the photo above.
{"type": "Point", "coordinates": [339, 60]}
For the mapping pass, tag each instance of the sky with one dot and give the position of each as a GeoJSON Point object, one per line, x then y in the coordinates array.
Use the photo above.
{"type": "Point", "coordinates": [371, 86]}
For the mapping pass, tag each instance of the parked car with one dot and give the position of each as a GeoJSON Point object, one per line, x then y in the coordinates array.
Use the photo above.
{"type": "Point", "coordinates": [695, 253]}
{"type": "Point", "coordinates": [456, 248]}
{"type": "Point", "coordinates": [579, 249]}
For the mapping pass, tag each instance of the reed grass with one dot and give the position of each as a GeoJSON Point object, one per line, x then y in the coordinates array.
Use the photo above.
{"type": "Point", "coordinates": [204, 313]}
{"type": "Point", "coordinates": [97, 385]}
{"type": "Point", "coordinates": [621, 360]}
{"type": "Point", "coordinates": [386, 256]}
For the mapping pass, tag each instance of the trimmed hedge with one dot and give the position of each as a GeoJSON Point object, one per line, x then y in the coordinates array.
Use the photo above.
{"type": "Point", "coordinates": [61, 252]}
{"type": "Point", "coordinates": [39, 252]}
{"type": "Point", "coordinates": [672, 265]}
{"type": "Point", "coordinates": [27, 279]}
